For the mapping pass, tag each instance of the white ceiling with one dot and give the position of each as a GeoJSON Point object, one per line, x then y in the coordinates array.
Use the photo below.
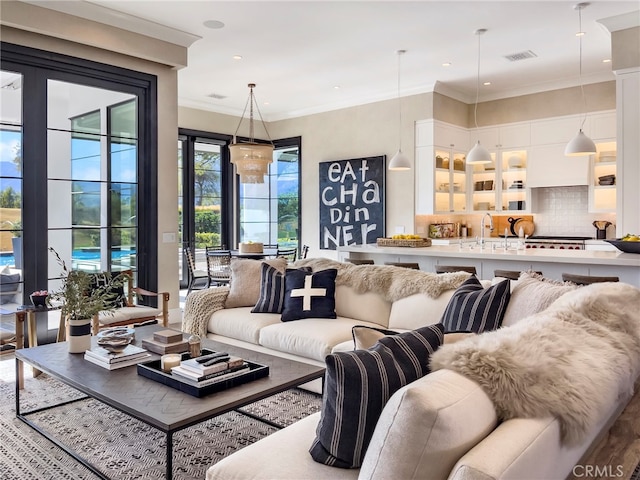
{"type": "Point", "coordinates": [297, 52]}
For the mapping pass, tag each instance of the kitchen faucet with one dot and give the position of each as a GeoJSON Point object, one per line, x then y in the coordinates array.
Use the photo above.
{"type": "Point", "coordinates": [482, 227]}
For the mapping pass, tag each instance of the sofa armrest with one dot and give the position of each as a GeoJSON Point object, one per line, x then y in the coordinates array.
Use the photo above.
{"type": "Point", "coordinates": [199, 307]}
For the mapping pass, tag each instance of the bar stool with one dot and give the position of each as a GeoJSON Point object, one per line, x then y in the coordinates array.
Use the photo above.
{"type": "Point", "coordinates": [454, 268]}
{"type": "Point", "coordinates": [510, 274]}
{"type": "Point", "coordinates": [586, 279]}
{"type": "Point", "coordinates": [357, 261]}
{"type": "Point", "coordinates": [412, 265]}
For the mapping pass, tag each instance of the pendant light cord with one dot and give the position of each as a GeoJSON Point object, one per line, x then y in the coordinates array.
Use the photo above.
{"type": "Point", "coordinates": [475, 108]}
{"type": "Point", "coordinates": [584, 98]}
{"type": "Point", "coordinates": [400, 53]}
{"type": "Point", "coordinates": [249, 103]}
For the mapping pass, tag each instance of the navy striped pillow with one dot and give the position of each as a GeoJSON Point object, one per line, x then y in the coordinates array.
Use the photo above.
{"type": "Point", "coordinates": [271, 291]}
{"type": "Point", "coordinates": [473, 308]}
{"type": "Point", "coordinates": [358, 385]}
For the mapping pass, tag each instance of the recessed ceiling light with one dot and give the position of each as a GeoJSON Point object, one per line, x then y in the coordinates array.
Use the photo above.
{"type": "Point", "coordinates": [580, 34]}
{"type": "Point", "coordinates": [337, 87]}
{"type": "Point", "coordinates": [215, 24]}
{"type": "Point", "coordinates": [237, 57]}
{"type": "Point", "coordinates": [606, 60]}
{"type": "Point", "coordinates": [446, 64]}
{"type": "Point", "coordinates": [487, 83]}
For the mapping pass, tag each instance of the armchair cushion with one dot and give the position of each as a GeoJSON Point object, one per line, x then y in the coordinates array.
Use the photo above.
{"type": "Point", "coordinates": [9, 286]}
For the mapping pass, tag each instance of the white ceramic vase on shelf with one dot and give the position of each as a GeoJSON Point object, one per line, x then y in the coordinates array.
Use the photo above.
{"type": "Point", "coordinates": [79, 335]}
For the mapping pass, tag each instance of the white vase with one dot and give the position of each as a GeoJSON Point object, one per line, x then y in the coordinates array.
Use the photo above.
{"type": "Point", "coordinates": [79, 335]}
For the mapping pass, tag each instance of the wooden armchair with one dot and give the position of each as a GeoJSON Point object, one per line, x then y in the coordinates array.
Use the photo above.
{"type": "Point", "coordinates": [131, 313]}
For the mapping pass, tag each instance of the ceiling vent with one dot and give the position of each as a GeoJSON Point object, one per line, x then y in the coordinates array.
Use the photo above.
{"type": "Point", "coordinates": [514, 57]}
{"type": "Point", "coordinates": [217, 96]}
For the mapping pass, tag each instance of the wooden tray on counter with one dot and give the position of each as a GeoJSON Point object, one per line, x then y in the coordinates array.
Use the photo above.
{"type": "Point", "coordinates": [404, 242]}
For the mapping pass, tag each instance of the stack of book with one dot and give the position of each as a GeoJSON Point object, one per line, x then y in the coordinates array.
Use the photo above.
{"type": "Point", "coordinates": [166, 341]}
{"type": "Point", "coordinates": [209, 369]}
{"type": "Point", "coordinates": [131, 355]}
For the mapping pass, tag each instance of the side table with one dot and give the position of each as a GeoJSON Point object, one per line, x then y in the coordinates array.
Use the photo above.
{"type": "Point", "coordinates": [27, 313]}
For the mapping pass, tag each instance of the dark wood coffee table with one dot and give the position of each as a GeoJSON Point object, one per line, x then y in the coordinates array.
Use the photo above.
{"type": "Point", "coordinates": [165, 408]}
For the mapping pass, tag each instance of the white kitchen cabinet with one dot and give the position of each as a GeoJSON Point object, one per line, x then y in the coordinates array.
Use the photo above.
{"type": "Point", "coordinates": [602, 126]}
{"type": "Point", "coordinates": [549, 167]}
{"type": "Point", "coordinates": [555, 131]}
{"type": "Point", "coordinates": [503, 136]}
{"type": "Point", "coordinates": [602, 194]}
{"type": "Point", "coordinates": [441, 175]}
{"type": "Point", "coordinates": [502, 185]}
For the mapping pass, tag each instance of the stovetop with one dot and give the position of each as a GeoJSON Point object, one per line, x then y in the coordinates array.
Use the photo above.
{"type": "Point", "coordinates": [558, 237]}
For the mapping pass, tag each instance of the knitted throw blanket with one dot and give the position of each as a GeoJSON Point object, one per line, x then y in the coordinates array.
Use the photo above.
{"type": "Point", "coordinates": [571, 361]}
{"type": "Point", "coordinates": [390, 282]}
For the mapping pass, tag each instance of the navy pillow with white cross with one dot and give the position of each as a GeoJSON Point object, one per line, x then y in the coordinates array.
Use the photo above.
{"type": "Point", "coordinates": [309, 295]}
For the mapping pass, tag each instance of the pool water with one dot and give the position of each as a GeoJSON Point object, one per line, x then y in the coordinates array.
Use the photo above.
{"type": "Point", "coordinates": [6, 258]}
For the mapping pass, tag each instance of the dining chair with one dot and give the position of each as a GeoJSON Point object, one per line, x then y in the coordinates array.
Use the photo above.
{"type": "Point", "coordinates": [218, 266]}
{"type": "Point", "coordinates": [455, 268]}
{"type": "Point", "coordinates": [510, 274]}
{"type": "Point", "coordinates": [358, 261]}
{"type": "Point", "coordinates": [586, 279]}
{"type": "Point", "coordinates": [305, 251]}
{"type": "Point", "coordinates": [198, 279]}
{"type": "Point", "coordinates": [289, 253]}
{"type": "Point", "coordinates": [413, 265]}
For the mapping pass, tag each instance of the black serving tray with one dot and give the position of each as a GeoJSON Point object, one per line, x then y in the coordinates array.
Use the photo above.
{"type": "Point", "coordinates": [153, 370]}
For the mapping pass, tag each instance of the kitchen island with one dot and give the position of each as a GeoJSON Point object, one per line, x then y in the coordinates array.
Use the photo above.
{"type": "Point", "coordinates": [492, 256]}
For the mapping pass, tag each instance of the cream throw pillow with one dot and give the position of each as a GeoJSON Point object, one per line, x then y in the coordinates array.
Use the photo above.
{"type": "Point", "coordinates": [532, 294]}
{"type": "Point", "coordinates": [245, 280]}
{"type": "Point", "coordinates": [366, 337]}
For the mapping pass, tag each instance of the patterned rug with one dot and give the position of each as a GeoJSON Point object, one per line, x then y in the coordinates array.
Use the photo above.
{"type": "Point", "coordinates": [120, 446]}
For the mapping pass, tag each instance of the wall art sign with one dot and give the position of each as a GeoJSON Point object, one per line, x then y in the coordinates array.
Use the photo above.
{"type": "Point", "coordinates": [352, 202]}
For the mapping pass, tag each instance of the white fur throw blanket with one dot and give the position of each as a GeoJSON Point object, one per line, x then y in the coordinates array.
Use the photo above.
{"type": "Point", "coordinates": [392, 283]}
{"type": "Point", "coordinates": [570, 361]}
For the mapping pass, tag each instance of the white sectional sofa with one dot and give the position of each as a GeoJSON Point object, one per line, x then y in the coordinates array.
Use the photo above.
{"type": "Point", "coordinates": [468, 418]}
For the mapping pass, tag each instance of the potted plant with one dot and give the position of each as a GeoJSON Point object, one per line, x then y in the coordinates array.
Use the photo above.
{"type": "Point", "coordinates": [81, 297]}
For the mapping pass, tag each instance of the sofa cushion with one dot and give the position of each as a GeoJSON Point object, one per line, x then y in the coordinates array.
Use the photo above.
{"type": "Point", "coordinates": [271, 297]}
{"type": "Point", "coordinates": [357, 386]}
{"type": "Point", "coordinates": [533, 293]}
{"type": "Point", "coordinates": [244, 285]}
{"type": "Point", "coordinates": [473, 308]}
{"type": "Point", "coordinates": [418, 310]}
{"type": "Point", "coordinates": [366, 337]}
{"type": "Point", "coordinates": [290, 447]}
{"type": "Point", "coordinates": [309, 295]}
{"type": "Point", "coordinates": [310, 338]}
{"type": "Point", "coordinates": [240, 323]}
{"type": "Point", "coordinates": [427, 426]}
{"type": "Point", "coordinates": [367, 306]}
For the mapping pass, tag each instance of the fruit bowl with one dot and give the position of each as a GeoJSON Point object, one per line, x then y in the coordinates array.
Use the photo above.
{"type": "Point", "coordinates": [626, 247]}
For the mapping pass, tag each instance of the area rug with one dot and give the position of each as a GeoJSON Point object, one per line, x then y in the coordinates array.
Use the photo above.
{"type": "Point", "coordinates": [120, 446]}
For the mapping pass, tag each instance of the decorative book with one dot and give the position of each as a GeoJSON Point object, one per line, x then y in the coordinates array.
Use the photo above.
{"type": "Point", "coordinates": [167, 336]}
{"type": "Point", "coordinates": [162, 348]}
{"type": "Point", "coordinates": [131, 355]}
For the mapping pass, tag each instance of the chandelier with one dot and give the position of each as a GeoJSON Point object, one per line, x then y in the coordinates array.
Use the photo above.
{"type": "Point", "coordinates": [250, 158]}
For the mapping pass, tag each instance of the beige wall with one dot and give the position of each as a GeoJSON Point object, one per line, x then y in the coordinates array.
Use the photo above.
{"type": "Point", "coordinates": [167, 137]}
{"type": "Point", "coordinates": [625, 45]}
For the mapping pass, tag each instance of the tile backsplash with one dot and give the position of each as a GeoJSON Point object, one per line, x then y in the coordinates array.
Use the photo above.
{"type": "Point", "coordinates": [558, 211]}
{"type": "Point", "coordinates": [564, 211]}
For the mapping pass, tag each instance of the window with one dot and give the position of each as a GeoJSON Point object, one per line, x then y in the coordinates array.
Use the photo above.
{"type": "Point", "coordinates": [88, 150]}
{"type": "Point", "coordinates": [270, 211]}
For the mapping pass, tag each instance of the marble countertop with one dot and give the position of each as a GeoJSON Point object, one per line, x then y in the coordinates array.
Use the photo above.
{"type": "Point", "coordinates": [470, 250]}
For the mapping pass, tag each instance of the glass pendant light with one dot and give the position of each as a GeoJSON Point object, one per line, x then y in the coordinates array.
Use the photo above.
{"type": "Point", "coordinates": [580, 144]}
{"type": "Point", "coordinates": [399, 161]}
{"type": "Point", "coordinates": [478, 154]}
